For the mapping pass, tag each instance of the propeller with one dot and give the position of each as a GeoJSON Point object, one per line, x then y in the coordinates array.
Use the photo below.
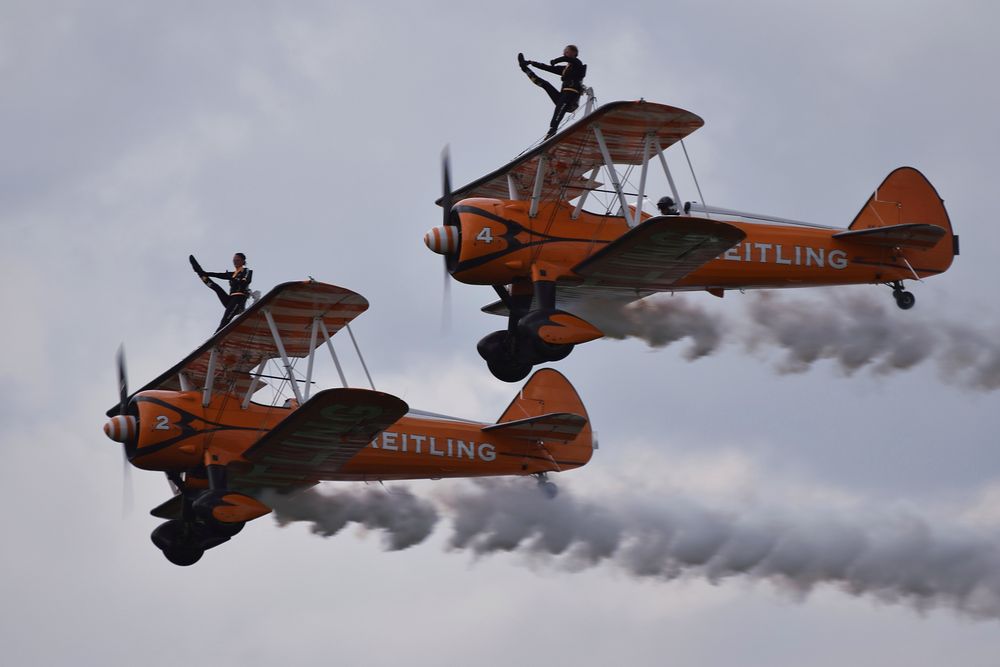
{"type": "Point", "coordinates": [126, 427]}
{"type": "Point", "coordinates": [446, 204]}
{"type": "Point", "coordinates": [122, 381]}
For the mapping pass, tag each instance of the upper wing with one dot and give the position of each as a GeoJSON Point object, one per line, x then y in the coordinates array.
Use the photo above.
{"type": "Point", "coordinates": [657, 253]}
{"type": "Point", "coordinates": [247, 340]}
{"type": "Point", "coordinates": [315, 441]}
{"type": "Point", "coordinates": [575, 151]}
{"type": "Point", "coordinates": [910, 235]}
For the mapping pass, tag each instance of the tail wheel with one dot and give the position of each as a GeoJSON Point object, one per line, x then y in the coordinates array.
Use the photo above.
{"type": "Point", "coordinates": [904, 299]}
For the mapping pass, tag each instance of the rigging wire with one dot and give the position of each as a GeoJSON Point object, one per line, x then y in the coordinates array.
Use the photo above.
{"type": "Point", "coordinates": [696, 185]}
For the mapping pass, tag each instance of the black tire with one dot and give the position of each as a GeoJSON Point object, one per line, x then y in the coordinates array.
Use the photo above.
{"type": "Point", "coordinates": [184, 555]}
{"type": "Point", "coordinates": [492, 346]}
{"type": "Point", "coordinates": [507, 369]}
{"type": "Point", "coordinates": [550, 351]}
{"type": "Point", "coordinates": [904, 299]}
{"type": "Point", "coordinates": [170, 534]}
{"type": "Point", "coordinates": [227, 529]}
{"type": "Point", "coordinates": [548, 489]}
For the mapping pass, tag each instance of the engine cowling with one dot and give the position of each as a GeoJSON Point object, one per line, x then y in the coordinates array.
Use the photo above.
{"type": "Point", "coordinates": [478, 229]}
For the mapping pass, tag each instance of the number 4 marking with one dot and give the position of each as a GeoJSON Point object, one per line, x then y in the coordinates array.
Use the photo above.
{"type": "Point", "coordinates": [162, 423]}
{"type": "Point", "coordinates": [485, 235]}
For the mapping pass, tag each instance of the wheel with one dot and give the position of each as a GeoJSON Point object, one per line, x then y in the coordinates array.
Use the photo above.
{"type": "Point", "coordinates": [170, 534]}
{"type": "Point", "coordinates": [492, 345]}
{"type": "Point", "coordinates": [227, 529]}
{"type": "Point", "coordinates": [507, 369]}
{"type": "Point", "coordinates": [550, 351]}
{"type": "Point", "coordinates": [549, 489]}
{"type": "Point", "coordinates": [178, 542]}
{"type": "Point", "coordinates": [184, 555]}
{"type": "Point", "coordinates": [904, 299]}
{"type": "Point", "coordinates": [495, 349]}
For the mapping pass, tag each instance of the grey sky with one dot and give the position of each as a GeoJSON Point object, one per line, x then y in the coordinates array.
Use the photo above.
{"type": "Point", "coordinates": [307, 135]}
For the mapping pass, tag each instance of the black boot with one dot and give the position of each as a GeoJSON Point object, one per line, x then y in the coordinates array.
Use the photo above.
{"type": "Point", "coordinates": [196, 266]}
{"type": "Point", "coordinates": [522, 63]}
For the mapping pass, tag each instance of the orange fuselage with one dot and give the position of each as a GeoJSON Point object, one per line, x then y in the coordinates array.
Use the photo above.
{"type": "Point", "coordinates": [177, 434]}
{"type": "Point", "coordinates": [500, 244]}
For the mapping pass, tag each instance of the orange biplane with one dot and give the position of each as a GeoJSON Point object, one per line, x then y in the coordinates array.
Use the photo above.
{"type": "Point", "coordinates": [524, 231]}
{"type": "Point", "coordinates": [198, 423]}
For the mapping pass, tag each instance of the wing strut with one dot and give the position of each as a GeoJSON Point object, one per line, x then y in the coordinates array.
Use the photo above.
{"type": "Point", "coordinates": [666, 171]}
{"type": "Point", "coordinates": [360, 358]}
{"type": "Point", "coordinates": [329, 346]}
{"type": "Point", "coordinates": [642, 177]}
{"type": "Point", "coordinates": [614, 174]}
{"type": "Point", "coordinates": [206, 396]}
{"type": "Point", "coordinates": [254, 381]}
{"type": "Point", "coordinates": [586, 191]}
{"type": "Point", "coordinates": [512, 189]}
{"type": "Point", "coordinates": [312, 353]}
{"type": "Point", "coordinates": [284, 355]}
{"type": "Point", "coordinates": [536, 194]}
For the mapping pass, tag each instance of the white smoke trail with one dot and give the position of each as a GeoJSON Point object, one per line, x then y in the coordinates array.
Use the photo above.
{"type": "Point", "coordinates": [659, 323]}
{"type": "Point", "coordinates": [403, 518]}
{"type": "Point", "coordinates": [853, 330]}
{"type": "Point", "coordinates": [897, 557]}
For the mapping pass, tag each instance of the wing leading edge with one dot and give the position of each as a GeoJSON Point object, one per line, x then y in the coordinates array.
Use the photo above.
{"type": "Point", "coordinates": [572, 153]}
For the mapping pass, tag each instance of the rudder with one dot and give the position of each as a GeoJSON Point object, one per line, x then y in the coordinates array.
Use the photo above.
{"type": "Point", "coordinates": [546, 392]}
{"type": "Point", "coordinates": [907, 197]}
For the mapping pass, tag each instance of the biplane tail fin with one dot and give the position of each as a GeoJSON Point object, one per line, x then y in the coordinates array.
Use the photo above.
{"type": "Point", "coordinates": [906, 212]}
{"type": "Point", "coordinates": [548, 408]}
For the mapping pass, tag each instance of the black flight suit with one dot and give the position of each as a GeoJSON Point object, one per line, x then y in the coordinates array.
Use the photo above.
{"type": "Point", "coordinates": [571, 71]}
{"type": "Point", "coordinates": [239, 290]}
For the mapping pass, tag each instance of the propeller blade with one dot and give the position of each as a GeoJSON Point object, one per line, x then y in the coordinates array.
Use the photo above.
{"type": "Point", "coordinates": [446, 303]}
{"type": "Point", "coordinates": [446, 202]}
{"type": "Point", "coordinates": [122, 381]}
{"type": "Point", "coordinates": [127, 491]}
{"type": "Point", "coordinates": [127, 494]}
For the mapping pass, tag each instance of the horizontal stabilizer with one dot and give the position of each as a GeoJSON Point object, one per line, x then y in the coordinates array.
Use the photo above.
{"type": "Point", "coordinates": [909, 235]}
{"type": "Point", "coordinates": [561, 426]}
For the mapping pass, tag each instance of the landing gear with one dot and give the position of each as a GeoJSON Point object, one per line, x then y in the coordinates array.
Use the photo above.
{"type": "Point", "coordinates": [904, 299]}
{"type": "Point", "coordinates": [185, 540]}
{"type": "Point", "coordinates": [511, 354]}
{"type": "Point", "coordinates": [548, 489]}
{"type": "Point", "coordinates": [500, 350]}
{"type": "Point", "coordinates": [177, 539]}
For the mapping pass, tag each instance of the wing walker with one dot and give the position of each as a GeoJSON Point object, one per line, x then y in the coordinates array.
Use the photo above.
{"type": "Point", "coordinates": [198, 423]}
{"type": "Point", "coordinates": [524, 231]}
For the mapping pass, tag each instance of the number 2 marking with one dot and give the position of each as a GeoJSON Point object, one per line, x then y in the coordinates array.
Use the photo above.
{"type": "Point", "coordinates": [162, 423]}
{"type": "Point", "coordinates": [485, 235]}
